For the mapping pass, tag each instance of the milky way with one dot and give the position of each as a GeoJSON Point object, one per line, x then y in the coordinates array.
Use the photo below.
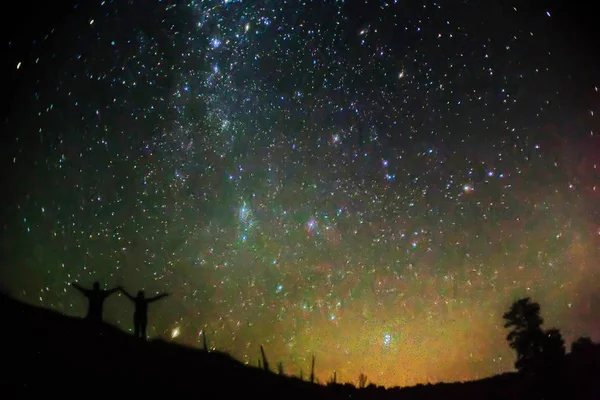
{"type": "Point", "coordinates": [373, 185]}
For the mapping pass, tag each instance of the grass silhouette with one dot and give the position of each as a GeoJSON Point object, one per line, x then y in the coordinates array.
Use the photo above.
{"type": "Point", "coordinates": [47, 352]}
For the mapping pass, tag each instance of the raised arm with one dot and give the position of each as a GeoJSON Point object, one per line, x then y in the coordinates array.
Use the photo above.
{"type": "Point", "coordinates": [111, 291]}
{"type": "Point", "coordinates": [160, 296]}
{"type": "Point", "coordinates": [82, 290]}
{"type": "Point", "coordinates": [126, 294]}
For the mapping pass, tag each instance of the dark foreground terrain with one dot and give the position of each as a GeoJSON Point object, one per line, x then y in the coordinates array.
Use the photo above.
{"type": "Point", "coordinates": [46, 352]}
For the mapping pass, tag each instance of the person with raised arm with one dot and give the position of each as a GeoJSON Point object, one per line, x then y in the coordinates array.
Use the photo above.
{"type": "Point", "coordinates": [96, 297]}
{"type": "Point", "coordinates": [140, 315]}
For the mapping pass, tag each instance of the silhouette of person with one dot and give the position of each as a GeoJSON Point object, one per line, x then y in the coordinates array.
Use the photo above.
{"type": "Point", "coordinates": [96, 298]}
{"type": "Point", "coordinates": [140, 315]}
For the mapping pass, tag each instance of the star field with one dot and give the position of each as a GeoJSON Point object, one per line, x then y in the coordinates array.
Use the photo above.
{"type": "Point", "coordinates": [372, 183]}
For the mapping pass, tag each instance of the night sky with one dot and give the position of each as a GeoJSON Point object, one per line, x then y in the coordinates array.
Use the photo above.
{"type": "Point", "coordinates": [373, 183]}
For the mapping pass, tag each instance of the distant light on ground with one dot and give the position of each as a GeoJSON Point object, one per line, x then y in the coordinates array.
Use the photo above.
{"type": "Point", "coordinates": [174, 333]}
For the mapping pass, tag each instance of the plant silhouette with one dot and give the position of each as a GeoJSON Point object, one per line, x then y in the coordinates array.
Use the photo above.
{"type": "Point", "coordinates": [553, 349]}
{"type": "Point", "coordinates": [540, 354]}
{"type": "Point", "coordinates": [582, 352]}
{"type": "Point", "coordinates": [204, 341]}
{"type": "Point", "coordinates": [96, 297]}
{"type": "Point", "coordinates": [526, 334]}
{"type": "Point", "coordinates": [49, 358]}
{"type": "Point", "coordinates": [140, 315]}
{"type": "Point", "coordinates": [265, 363]}
{"type": "Point", "coordinates": [333, 380]}
{"type": "Point", "coordinates": [362, 381]}
{"type": "Point", "coordinates": [585, 361]}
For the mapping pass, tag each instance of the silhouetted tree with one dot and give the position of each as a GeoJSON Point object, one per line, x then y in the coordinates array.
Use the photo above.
{"type": "Point", "coordinates": [333, 380]}
{"type": "Point", "coordinates": [583, 354]}
{"type": "Point", "coordinates": [526, 334]}
{"type": "Point", "coordinates": [553, 349]}
{"type": "Point", "coordinates": [312, 370]}
{"type": "Point", "coordinates": [552, 365]}
{"type": "Point", "coordinates": [585, 361]}
{"type": "Point", "coordinates": [540, 354]}
{"type": "Point", "coordinates": [265, 363]}
{"type": "Point", "coordinates": [362, 381]}
{"type": "Point", "coordinates": [280, 368]}
{"type": "Point", "coordinates": [581, 346]}
{"type": "Point", "coordinates": [301, 374]}
{"type": "Point", "coordinates": [204, 341]}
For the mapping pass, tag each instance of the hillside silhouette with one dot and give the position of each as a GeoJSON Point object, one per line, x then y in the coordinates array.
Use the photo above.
{"type": "Point", "coordinates": [47, 352]}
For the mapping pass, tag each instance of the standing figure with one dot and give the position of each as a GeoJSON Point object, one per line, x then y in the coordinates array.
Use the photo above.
{"type": "Point", "coordinates": [140, 315]}
{"type": "Point", "coordinates": [96, 298]}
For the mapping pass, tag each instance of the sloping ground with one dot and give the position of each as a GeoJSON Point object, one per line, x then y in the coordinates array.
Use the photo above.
{"type": "Point", "coordinates": [45, 352]}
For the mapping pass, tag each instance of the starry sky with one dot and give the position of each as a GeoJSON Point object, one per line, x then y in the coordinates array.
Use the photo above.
{"type": "Point", "coordinates": [370, 182]}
